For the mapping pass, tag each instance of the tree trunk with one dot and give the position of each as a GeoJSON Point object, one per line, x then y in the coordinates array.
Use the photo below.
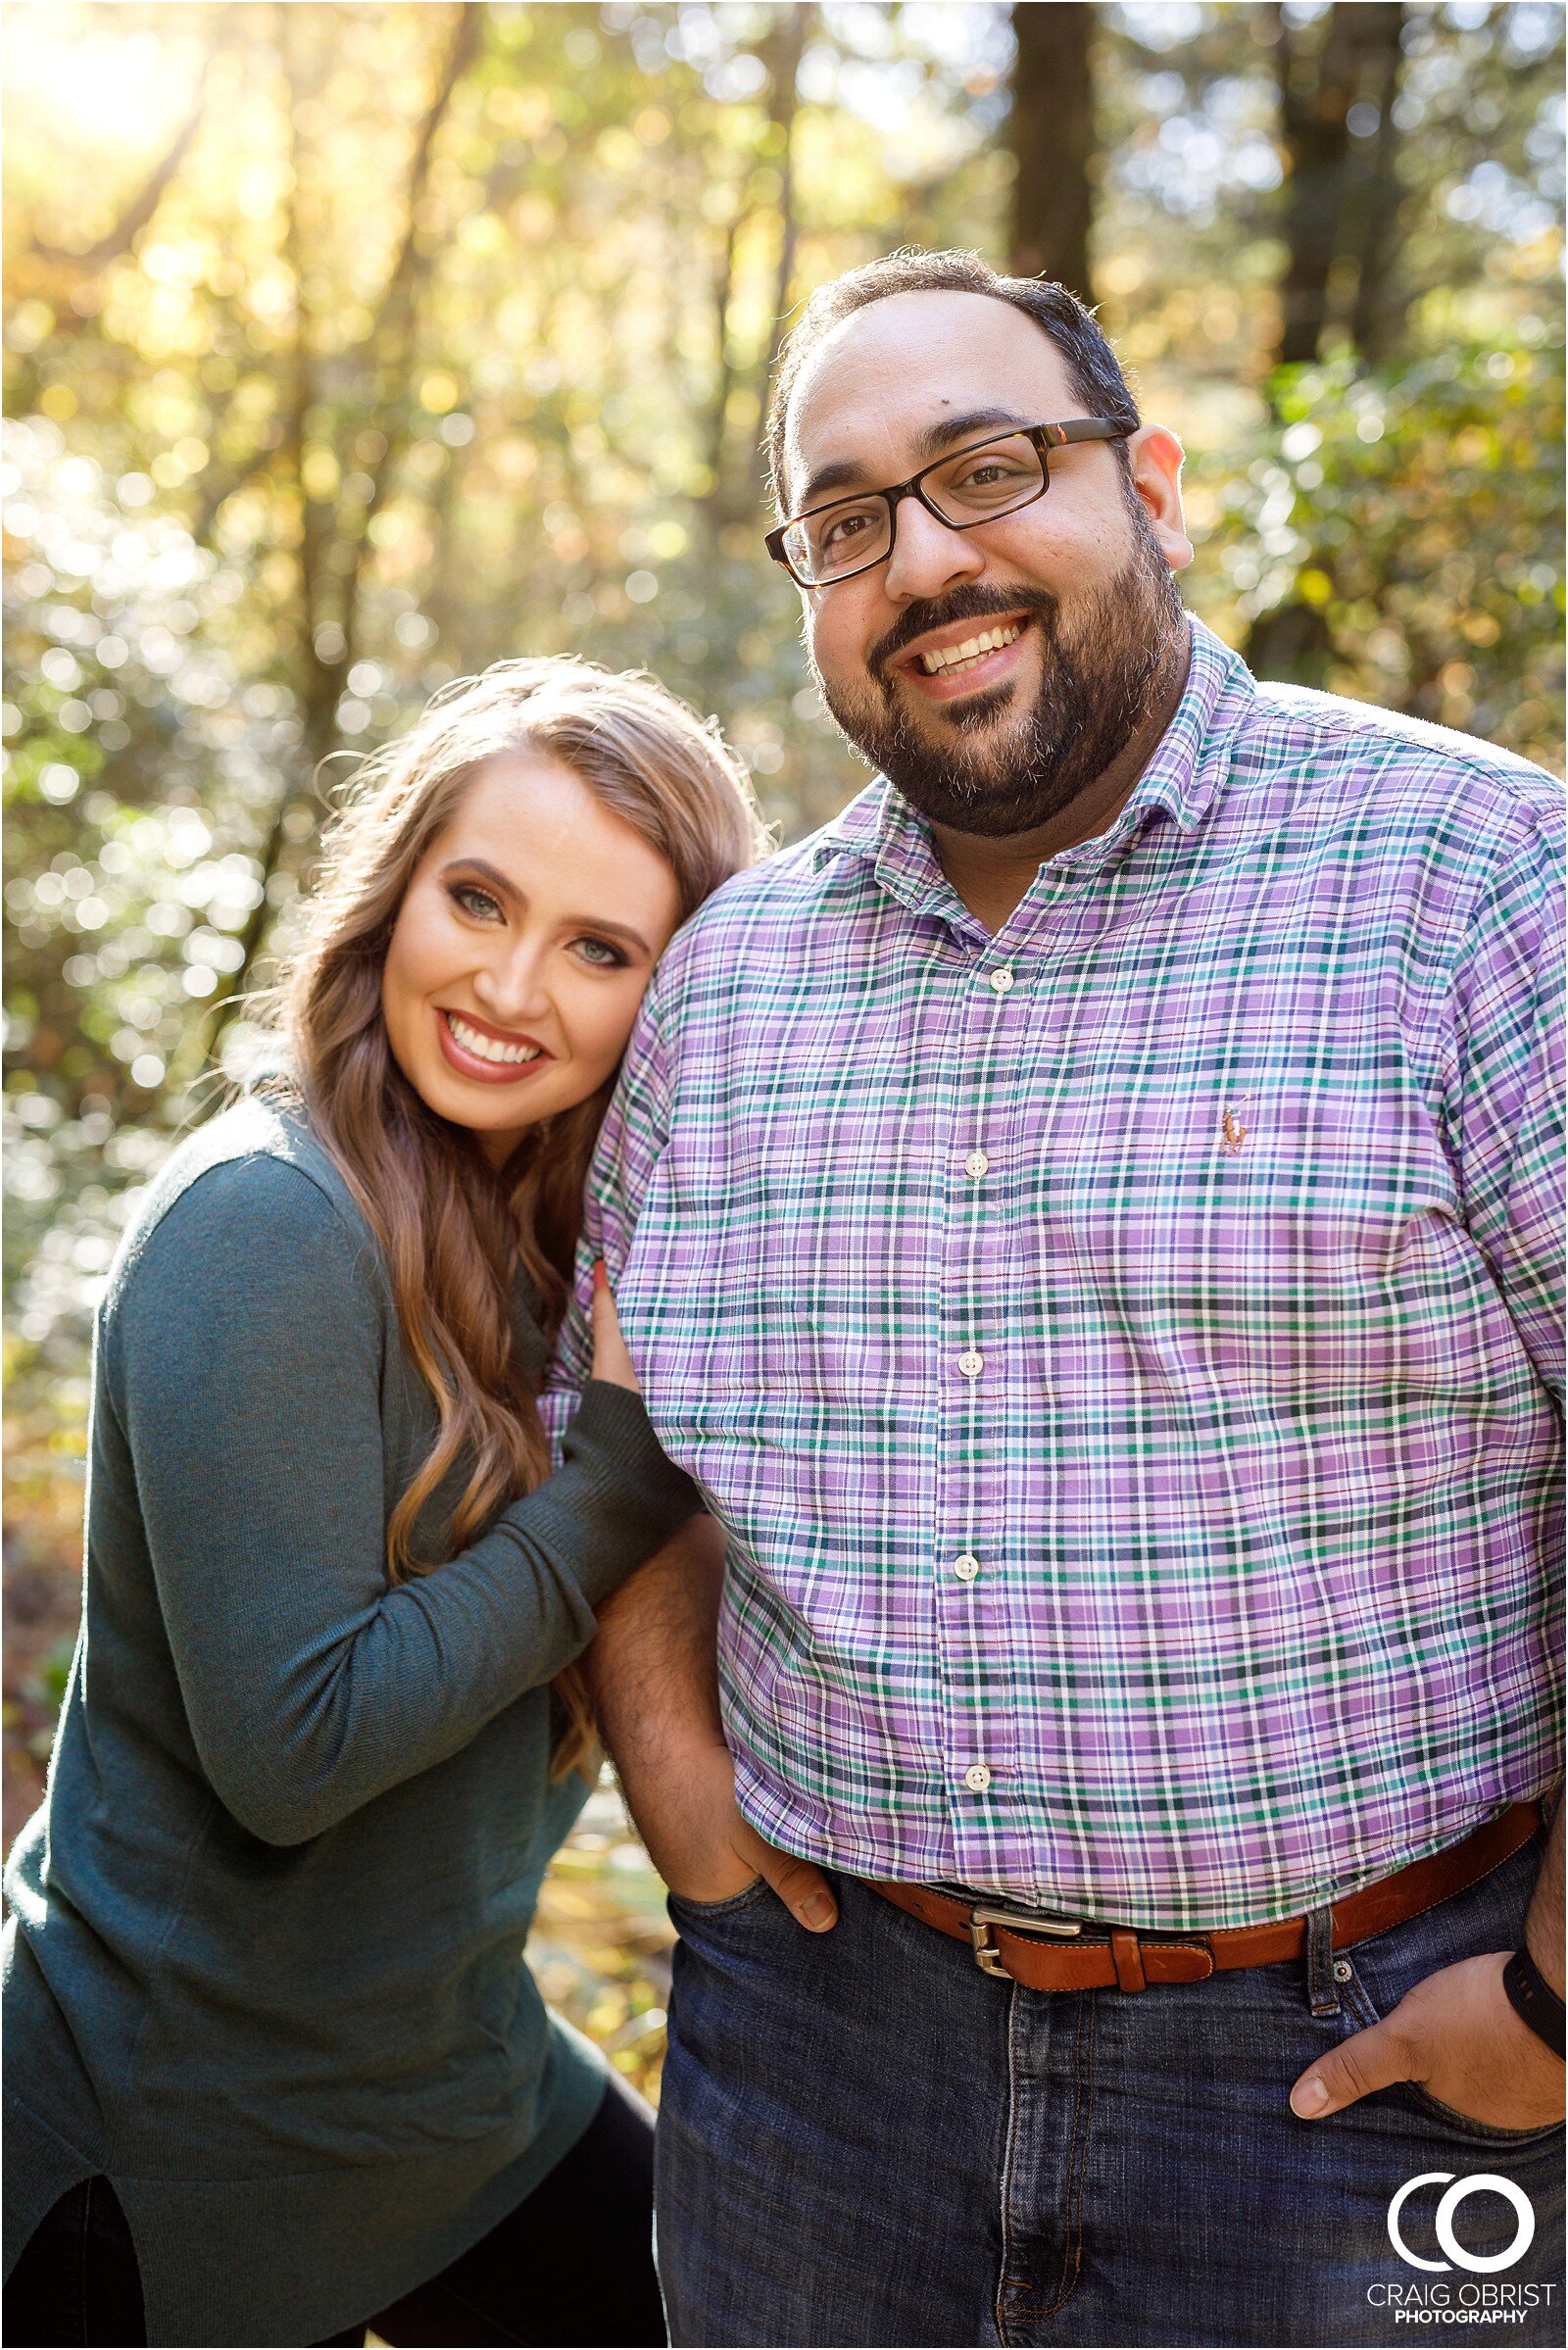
{"type": "Point", "coordinates": [784, 66]}
{"type": "Point", "coordinates": [1377, 324]}
{"type": "Point", "coordinates": [1342, 195]}
{"type": "Point", "coordinates": [1316, 92]}
{"type": "Point", "coordinates": [1051, 131]}
{"type": "Point", "coordinates": [1291, 643]}
{"type": "Point", "coordinates": [732, 497]}
{"type": "Point", "coordinates": [715, 423]}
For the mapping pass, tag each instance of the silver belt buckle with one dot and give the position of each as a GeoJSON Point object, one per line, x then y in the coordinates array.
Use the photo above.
{"type": "Point", "coordinates": [987, 1958]}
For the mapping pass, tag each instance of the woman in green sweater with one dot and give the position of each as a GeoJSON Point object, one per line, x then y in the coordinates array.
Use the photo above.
{"type": "Point", "coordinates": [274, 2060]}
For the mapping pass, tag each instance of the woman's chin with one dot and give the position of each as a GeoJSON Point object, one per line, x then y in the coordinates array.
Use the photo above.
{"type": "Point", "coordinates": [501, 1115]}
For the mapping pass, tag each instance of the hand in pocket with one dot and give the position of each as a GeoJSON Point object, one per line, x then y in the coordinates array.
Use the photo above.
{"type": "Point", "coordinates": [706, 1850]}
{"type": "Point", "coordinates": [1457, 2037]}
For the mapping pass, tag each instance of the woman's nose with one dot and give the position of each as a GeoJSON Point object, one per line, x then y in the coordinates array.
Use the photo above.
{"type": "Point", "coordinates": [514, 988]}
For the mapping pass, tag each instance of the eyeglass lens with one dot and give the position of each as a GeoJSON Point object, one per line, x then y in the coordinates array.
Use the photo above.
{"type": "Point", "coordinates": [975, 486]}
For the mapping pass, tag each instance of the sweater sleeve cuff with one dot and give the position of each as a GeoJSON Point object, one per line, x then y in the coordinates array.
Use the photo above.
{"type": "Point", "coordinates": [612, 1428]}
{"type": "Point", "coordinates": [625, 1497]}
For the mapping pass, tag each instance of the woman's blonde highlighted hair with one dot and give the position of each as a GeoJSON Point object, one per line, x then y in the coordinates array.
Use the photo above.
{"type": "Point", "coordinates": [452, 1232]}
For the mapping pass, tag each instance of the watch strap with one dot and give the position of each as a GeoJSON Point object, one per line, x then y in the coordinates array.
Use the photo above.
{"type": "Point", "coordinates": [1532, 1997]}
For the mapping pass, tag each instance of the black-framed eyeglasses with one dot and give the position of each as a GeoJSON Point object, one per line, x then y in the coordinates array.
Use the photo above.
{"type": "Point", "coordinates": [972, 486]}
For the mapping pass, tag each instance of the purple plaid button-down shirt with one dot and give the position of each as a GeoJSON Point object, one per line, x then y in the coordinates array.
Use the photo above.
{"type": "Point", "coordinates": [1123, 1351]}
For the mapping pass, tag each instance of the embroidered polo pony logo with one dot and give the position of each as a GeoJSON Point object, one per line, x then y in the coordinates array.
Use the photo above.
{"type": "Point", "coordinates": [1234, 1129]}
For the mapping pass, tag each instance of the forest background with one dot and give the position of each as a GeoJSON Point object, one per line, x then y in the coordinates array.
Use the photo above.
{"type": "Point", "coordinates": [351, 347]}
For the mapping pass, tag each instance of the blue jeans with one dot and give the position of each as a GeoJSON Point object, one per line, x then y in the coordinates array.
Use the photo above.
{"type": "Point", "coordinates": [863, 2139]}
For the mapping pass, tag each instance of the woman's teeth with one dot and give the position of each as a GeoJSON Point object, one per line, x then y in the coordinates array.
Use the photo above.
{"type": "Point", "coordinates": [958, 656]}
{"type": "Point", "coordinates": [488, 1048]}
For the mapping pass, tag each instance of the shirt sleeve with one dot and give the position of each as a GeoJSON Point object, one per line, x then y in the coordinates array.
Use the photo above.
{"type": "Point", "coordinates": [244, 1354]}
{"type": "Point", "coordinates": [631, 1141]}
{"type": "Point", "coordinates": [1503, 1104]}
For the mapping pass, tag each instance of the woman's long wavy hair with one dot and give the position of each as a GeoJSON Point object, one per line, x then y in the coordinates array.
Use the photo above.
{"type": "Point", "coordinates": [452, 1230]}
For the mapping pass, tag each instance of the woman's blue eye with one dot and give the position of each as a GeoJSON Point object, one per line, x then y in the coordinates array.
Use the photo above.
{"type": "Point", "coordinates": [600, 953]}
{"type": "Point", "coordinates": [474, 902]}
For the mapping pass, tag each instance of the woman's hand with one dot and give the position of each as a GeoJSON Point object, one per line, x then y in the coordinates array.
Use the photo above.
{"type": "Point", "coordinates": [611, 1359]}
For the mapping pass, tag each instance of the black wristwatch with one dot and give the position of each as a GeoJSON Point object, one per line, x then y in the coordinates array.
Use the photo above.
{"type": "Point", "coordinates": [1532, 1996]}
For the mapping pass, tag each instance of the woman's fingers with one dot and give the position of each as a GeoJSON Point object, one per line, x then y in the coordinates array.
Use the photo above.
{"type": "Point", "coordinates": [611, 1358]}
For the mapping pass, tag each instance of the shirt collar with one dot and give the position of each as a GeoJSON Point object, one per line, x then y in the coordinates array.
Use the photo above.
{"type": "Point", "coordinates": [1191, 757]}
{"type": "Point", "coordinates": [880, 827]}
{"type": "Point", "coordinates": [1186, 769]}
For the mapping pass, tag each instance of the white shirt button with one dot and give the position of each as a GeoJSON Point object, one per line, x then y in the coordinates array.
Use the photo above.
{"type": "Point", "coordinates": [966, 1566]}
{"type": "Point", "coordinates": [978, 1164]}
{"type": "Point", "coordinates": [1001, 979]}
{"type": "Point", "coordinates": [971, 1364]}
{"type": "Point", "coordinates": [977, 1779]}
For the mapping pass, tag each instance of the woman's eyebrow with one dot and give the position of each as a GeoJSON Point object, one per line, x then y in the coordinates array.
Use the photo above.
{"type": "Point", "coordinates": [617, 930]}
{"type": "Point", "coordinates": [509, 890]}
{"type": "Point", "coordinates": [479, 864]}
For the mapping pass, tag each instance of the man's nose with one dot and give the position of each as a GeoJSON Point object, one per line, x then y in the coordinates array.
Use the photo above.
{"type": "Point", "coordinates": [926, 556]}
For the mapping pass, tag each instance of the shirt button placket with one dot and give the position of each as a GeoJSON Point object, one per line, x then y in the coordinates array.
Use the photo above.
{"type": "Point", "coordinates": [965, 1567]}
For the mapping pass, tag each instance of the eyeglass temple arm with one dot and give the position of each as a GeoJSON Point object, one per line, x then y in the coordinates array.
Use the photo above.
{"type": "Point", "coordinates": [1085, 428]}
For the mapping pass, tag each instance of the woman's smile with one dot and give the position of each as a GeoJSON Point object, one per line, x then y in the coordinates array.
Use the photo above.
{"type": "Point", "coordinates": [488, 1054]}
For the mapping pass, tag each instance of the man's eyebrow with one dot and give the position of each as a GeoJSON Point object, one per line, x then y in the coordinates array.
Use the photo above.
{"type": "Point", "coordinates": [846, 474]}
{"type": "Point", "coordinates": [515, 896]}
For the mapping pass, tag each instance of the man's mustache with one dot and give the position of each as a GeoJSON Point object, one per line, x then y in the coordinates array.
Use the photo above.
{"type": "Point", "coordinates": [964, 603]}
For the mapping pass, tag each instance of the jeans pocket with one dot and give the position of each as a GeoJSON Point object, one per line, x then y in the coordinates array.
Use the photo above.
{"type": "Point", "coordinates": [682, 1904]}
{"type": "Point", "coordinates": [1481, 2133]}
{"type": "Point", "coordinates": [1363, 2008]}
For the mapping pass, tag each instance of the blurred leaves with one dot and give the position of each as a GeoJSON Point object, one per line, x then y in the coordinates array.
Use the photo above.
{"type": "Point", "coordinates": [600, 1948]}
{"type": "Point", "coordinates": [1400, 539]}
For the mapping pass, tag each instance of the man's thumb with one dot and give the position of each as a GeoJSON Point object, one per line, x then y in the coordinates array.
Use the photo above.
{"type": "Point", "coordinates": [803, 1890]}
{"type": "Point", "coordinates": [1369, 2060]}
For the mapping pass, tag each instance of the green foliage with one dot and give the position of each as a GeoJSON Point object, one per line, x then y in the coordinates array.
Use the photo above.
{"type": "Point", "coordinates": [1399, 539]}
{"type": "Point", "coordinates": [55, 1671]}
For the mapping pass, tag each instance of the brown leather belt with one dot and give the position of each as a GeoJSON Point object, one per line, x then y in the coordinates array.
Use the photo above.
{"type": "Point", "coordinates": [1067, 1954]}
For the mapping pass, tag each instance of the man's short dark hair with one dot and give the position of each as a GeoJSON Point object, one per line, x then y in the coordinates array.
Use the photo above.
{"type": "Point", "coordinates": [1093, 366]}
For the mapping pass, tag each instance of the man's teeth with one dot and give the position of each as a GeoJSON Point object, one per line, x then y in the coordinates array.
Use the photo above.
{"type": "Point", "coordinates": [488, 1048]}
{"type": "Point", "coordinates": [956, 656]}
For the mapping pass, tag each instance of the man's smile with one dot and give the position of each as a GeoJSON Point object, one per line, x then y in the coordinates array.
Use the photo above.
{"type": "Point", "coordinates": [966, 657]}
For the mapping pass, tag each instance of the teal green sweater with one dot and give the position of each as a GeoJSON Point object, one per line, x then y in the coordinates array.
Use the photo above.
{"type": "Point", "coordinates": [265, 1967]}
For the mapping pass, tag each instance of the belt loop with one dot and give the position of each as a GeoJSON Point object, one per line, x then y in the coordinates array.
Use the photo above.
{"type": "Point", "coordinates": [1127, 1959]}
{"type": "Point", "coordinates": [1322, 1990]}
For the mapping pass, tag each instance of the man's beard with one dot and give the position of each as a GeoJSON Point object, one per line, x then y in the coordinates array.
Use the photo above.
{"type": "Point", "coordinates": [1098, 677]}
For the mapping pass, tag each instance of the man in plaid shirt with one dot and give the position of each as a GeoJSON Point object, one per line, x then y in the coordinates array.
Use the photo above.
{"type": "Point", "coordinates": [1086, 1219]}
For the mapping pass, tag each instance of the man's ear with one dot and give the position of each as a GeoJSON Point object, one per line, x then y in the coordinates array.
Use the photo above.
{"type": "Point", "coordinates": [1157, 458]}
